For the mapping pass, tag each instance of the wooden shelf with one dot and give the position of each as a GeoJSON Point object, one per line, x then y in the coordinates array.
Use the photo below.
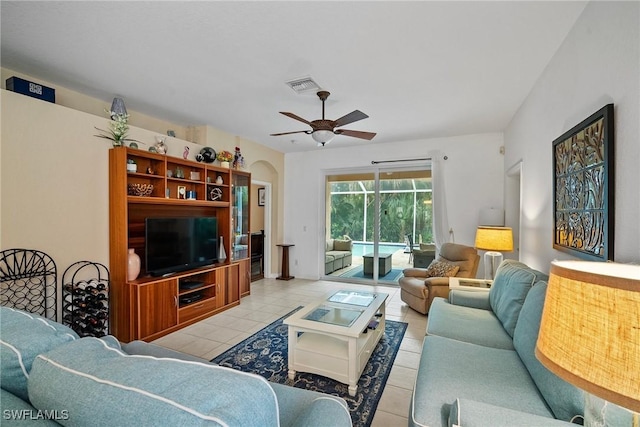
{"type": "Point", "coordinates": [198, 289]}
{"type": "Point", "coordinates": [149, 307]}
{"type": "Point", "coordinates": [174, 201]}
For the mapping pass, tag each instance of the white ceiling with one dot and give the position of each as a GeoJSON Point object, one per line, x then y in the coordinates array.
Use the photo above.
{"type": "Point", "coordinates": [419, 69]}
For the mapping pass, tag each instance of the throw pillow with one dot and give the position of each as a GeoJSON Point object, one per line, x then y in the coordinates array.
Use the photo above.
{"type": "Point", "coordinates": [442, 269]}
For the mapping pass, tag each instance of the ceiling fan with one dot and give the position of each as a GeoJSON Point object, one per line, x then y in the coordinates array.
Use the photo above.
{"type": "Point", "coordinates": [323, 131]}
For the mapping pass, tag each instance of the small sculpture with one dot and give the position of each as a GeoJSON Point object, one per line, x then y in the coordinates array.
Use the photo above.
{"type": "Point", "coordinates": [215, 194]}
{"type": "Point", "coordinates": [238, 159]}
{"type": "Point", "coordinates": [208, 155]}
{"type": "Point", "coordinates": [160, 147]}
{"type": "Point", "coordinates": [185, 153]}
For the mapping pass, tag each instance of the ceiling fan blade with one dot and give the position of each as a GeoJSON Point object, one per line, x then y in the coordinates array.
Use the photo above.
{"type": "Point", "coordinates": [289, 133]}
{"type": "Point", "coordinates": [293, 116]}
{"type": "Point", "coordinates": [353, 116]}
{"type": "Point", "coordinates": [355, 133]}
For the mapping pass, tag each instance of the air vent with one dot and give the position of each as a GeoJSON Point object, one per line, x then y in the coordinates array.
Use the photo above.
{"type": "Point", "coordinates": [302, 85]}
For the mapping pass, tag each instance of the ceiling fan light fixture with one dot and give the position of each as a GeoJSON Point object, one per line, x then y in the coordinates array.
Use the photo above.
{"type": "Point", "coordinates": [322, 136]}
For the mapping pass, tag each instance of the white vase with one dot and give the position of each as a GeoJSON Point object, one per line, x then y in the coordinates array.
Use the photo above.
{"type": "Point", "coordinates": [133, 265]}
{"type": "Point", "coordinates": [224, 165]}
{"type": "Point", "coordinates": [222, 255]}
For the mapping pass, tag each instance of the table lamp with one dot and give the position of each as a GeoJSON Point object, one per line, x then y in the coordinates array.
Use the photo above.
{"type": "Point", "coordinates": [493, 239]}
{"type": "Point", "coordinates": [590, 336]}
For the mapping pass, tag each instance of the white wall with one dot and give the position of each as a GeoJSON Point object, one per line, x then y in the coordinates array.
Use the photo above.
{"type": "Point", "coordinates": [597, 64]}
{"type": "Point", "coordinates": [474, 180]}
{"type": "Point", "coordinates": [54, 177]}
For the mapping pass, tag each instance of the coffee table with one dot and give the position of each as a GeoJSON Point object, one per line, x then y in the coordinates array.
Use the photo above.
{"type": "Point", "coordinates": [384, 264]}
{"type": "Point", "coordinates": [336, 335]}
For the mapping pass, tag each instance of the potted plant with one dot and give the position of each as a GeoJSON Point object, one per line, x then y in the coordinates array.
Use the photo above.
{"type": "Point", "coordinates": [118, 129]}
{"type": "Point", "coordinates": [224, 157]}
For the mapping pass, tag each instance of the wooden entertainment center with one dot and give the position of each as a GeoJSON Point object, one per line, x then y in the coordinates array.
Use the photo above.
{"type": "Point", "coordinates": [149, 307]}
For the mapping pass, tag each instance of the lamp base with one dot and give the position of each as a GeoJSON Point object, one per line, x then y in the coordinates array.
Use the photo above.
{"type": "Point", "coordinates": [491, 262]}
{"type": "Point", "coordinates": [600, 413]}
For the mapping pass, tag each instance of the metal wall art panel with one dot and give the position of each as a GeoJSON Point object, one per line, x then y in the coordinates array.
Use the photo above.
{"type": "Point", "coordinates": [583, 188]}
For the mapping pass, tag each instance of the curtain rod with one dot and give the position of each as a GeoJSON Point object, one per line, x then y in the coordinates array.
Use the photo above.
{"type": "Point", "coordinates": [376, 162]}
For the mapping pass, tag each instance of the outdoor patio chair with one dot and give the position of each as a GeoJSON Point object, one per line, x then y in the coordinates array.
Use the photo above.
{"type": "Point", "coordinates": [418, 287]}
{"type": "Point", "coordinates": [408, 240]}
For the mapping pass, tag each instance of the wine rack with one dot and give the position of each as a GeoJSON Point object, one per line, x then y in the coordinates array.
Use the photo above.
{"type": "Point", "coordinates": [28, 281]}
{"type": "Point", "coordinates": [85, 298]}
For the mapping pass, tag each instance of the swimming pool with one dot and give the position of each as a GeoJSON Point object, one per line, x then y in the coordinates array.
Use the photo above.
{"type": "Point", "coordinates": [361, 248]}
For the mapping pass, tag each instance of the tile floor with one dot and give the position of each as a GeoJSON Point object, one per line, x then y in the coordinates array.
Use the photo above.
{"type": "Point", "coordinates": [270, 299]}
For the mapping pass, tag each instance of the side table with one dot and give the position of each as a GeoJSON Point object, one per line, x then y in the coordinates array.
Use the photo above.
{"type": "Point", "coordinates": [284, 275]}
{"type": "Point", "coordinates": [467, 284]}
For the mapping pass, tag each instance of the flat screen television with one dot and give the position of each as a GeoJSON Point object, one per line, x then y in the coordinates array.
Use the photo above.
{"type": "Point", "coordinates": [179, 244]}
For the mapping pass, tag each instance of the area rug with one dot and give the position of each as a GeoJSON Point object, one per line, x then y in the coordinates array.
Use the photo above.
{"type": "Point", "coordinates": [265, 354]}
{"type": "Point", "coordinates": [392, 276]}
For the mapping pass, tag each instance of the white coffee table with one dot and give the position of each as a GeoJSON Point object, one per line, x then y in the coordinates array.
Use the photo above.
{"type": "Point", "coordinates": [335, 335]}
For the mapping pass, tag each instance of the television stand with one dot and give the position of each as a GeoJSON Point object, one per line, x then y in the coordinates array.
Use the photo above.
{"type": "Point", "coordinates": [191, 284]}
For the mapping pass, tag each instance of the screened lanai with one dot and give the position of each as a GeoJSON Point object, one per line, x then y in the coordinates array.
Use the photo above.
{"type": "Point", "coordinates": [403, 218]}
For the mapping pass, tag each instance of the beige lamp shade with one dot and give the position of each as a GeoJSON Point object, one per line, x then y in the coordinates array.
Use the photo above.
{"type": "Point", "coordinates": [494, 239]}
{"type": "Point", "coordinates": [590, 329]}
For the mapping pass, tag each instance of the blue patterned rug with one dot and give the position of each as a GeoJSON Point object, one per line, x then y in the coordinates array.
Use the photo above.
{"type": "Point", "coordinates": [265, 354]}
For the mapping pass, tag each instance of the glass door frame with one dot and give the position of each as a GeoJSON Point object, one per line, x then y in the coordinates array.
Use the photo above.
{"type": "Point", "coordinates": [376, 171]}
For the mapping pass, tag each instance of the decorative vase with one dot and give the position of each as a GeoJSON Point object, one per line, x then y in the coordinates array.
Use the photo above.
{"type": "Point", "coordinates": [133, 266]}
{"type": "Point", "coordinates": [222, 255]}
{"type": "Point", "coordinates": [224, 165]}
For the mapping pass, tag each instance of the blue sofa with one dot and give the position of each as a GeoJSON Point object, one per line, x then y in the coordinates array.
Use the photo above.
{"type": "Point", "coordinates": [478, 364]}
{"type": "Point", "coordinates": [50, 376]}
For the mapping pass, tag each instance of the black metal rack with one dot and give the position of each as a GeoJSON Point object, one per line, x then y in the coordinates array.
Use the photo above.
{"type": "Point", "coordinates": [85, 298]}
{"type": "Point", "coordinates": [28, 281]}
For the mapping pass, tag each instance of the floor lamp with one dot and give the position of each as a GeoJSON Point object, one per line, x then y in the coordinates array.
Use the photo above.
{"type": "Point", "coordinates": [495, 240]}
{"type": "Point", "coordinates": [590, 336]}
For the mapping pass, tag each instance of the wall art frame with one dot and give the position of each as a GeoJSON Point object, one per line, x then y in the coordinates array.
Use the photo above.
{"type": "Point", "coordinates": [583, 188]}
{"type": "Point", "coordinates": [262, 193]}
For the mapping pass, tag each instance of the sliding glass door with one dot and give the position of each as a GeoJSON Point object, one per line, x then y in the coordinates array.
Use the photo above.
{"type": "Point", "coordinates": [374, 220]}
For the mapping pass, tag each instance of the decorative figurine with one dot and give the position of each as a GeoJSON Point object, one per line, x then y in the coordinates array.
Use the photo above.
{"type": "Point", "coordinates": [208, 155]}
{"type": "Point", "coordinates": [160, 147]}
{"type": "Point", "coordinates": [185, 153]}
{"type": "Point", "coordinates": [215, 194]}
{"type": "Point", "coordinates": [238, 160]}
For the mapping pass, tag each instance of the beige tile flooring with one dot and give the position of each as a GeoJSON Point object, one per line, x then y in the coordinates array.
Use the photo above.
{"type": "Point", "coordinates": [270, 299]}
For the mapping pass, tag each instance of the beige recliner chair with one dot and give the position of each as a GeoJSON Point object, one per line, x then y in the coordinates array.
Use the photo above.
{"type": "Point", "coordinates": [418, 290]}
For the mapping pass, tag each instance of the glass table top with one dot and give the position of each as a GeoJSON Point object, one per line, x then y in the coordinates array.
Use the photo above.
{"type": "Point", "coordinates": [334, 315]}
{"type": "Point", "coordinates": [361, 299]}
